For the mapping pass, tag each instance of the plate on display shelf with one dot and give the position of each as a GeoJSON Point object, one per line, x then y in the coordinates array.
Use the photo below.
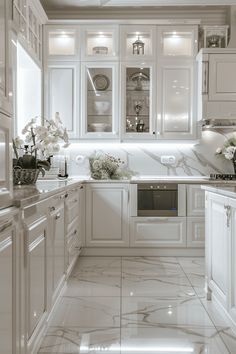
{"type": "Point", "coordinates": [101, 82]}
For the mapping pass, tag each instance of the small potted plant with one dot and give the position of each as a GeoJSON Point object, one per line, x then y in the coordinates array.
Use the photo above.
{"type": "Point", "coordinates": [33, 151]}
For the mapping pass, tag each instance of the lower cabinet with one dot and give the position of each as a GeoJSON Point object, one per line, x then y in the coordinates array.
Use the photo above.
{"type": "Point", "coordinates": [9, 320]}
{"type": "Point", "coordinates": [221, 251]}
{"type": "Point", "coordinates": [196, 232]}
{"type": "Point", "coordinates": [36, 235]}
{"type": "Point", "coordinates": [57, 251]}
{"type": "Point", "coordinates": [158, 232]}
{"type": "Point", "coordinates": [107, 215]}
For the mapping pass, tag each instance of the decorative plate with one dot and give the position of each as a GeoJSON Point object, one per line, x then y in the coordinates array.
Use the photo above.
{"type": "Point", "coordinates": [101, 82]}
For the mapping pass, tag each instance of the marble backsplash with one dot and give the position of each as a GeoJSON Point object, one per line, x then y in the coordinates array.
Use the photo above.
{"type": "Point", "coordinates": [145, 158]}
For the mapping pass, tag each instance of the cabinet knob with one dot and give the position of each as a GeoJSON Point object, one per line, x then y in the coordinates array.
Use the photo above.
{"type": "Point", "coordinates": [52, 208]}
{"type": "Point", "coordinates": [66, 195]}
{"type": "Point", "coordinates": [75, 232]}
{"type": "Point", "coordinates": [58, 216]}
{"type": "Point", "coordinates": [81, 187]}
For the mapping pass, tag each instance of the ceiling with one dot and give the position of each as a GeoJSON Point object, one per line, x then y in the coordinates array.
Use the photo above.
{"type": "Point", "coordinates": [76, 4]}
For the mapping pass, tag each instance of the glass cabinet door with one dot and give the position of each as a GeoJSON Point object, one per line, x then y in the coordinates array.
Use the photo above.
{"type": "Point", "coordinates": [100, 43]}
{"type": "Point", "coordinates": [100, 107]}
{"type": "Point", "coordinates": [137, 107]}
{"type": "Point", "coordinates": [178, 41]}
{"type": "Point", "coordinates": [137, 42]}
{"type": "Point", "coordinates": [62, 43]}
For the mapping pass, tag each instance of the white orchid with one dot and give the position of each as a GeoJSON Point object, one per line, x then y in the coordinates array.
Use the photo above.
{"type": "Point", "coordinates": [43, 140]}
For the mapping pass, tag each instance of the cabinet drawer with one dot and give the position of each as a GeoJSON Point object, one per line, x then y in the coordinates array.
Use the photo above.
{"type": "Point", "coordinates": [72, 209]}
{"type": "Point", "coordinates": [159, 232]}
{"type": "Point", "coordinates": [196, 232]}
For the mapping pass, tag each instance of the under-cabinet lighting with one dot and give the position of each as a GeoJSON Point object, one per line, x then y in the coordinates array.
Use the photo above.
{"type": "Point", "coordinates": [132, 145]}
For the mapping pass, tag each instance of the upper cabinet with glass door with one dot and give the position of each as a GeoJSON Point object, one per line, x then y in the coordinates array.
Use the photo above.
{"type": "Point", "coordinates": [99, 101]}
{"type": "Point", "coordinates": [100, 43]}
{"type": "Point", "coordinates": [177, 41]}
{"type": "Point", "coordinates": [137, 42]}
{"type": "Point", "coordinates": [136, 101]}
{"type": "Point", "coordinates": [62, 43]}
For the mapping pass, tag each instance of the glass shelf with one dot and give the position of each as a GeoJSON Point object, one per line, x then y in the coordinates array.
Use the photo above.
{"type": "Point", "coordinates": [99, 43]}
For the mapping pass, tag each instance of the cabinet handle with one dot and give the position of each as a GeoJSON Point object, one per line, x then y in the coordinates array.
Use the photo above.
{"type": "Point", "coordinates": [81, 187]}
{"type": "Point", "coordinates": [75, 232]}
{"type": "Point", "coordinates": [52, 208]}
{"type": "Point", "coordinates": [58, 216]}
{"type": "Point", "coordinates": [228, 214]}
{"type": "Point", "coordinates": [66, 195]}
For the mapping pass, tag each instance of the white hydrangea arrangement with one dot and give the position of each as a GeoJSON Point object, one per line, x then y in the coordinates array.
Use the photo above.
{"type": "Point", "coordinates": [105, 166]}
{"type": "Point", "coordinates": [228, 151]}
{"type": "Point", "coordinates": [40, 142]}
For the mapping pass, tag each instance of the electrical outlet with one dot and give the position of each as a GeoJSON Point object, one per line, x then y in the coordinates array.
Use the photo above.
{"type": "Point", "coordinates": [168, 160]}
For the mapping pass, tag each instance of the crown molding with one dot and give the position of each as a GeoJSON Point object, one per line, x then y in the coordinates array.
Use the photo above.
{"type": "Point", "coordinates": [207, 14]}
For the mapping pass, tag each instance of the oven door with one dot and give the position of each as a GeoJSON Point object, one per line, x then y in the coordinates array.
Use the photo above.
{"type": "Point", "coordinates": [149, 200]}
{"type": "Point", "coordinates": [6, 161]}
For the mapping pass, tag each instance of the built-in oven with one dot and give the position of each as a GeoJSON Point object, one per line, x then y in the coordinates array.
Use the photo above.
{"type": "Point", "coordinates": [158, 199]}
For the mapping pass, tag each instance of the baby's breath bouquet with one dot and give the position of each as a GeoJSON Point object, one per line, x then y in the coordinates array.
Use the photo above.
{"type": "Point", "coordinates": [228, 151]}
{"type": "Point", "coordinates": [105, 166]}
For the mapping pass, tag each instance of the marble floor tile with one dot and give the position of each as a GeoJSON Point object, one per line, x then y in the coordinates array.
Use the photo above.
{"type": "Point", "coordinates": [151, 311]}
{"type": "Point", "coordinates": [98, 266]}
{"type": "Point", "coordinates": [229, 338]}
{"type": "Point", "coordinates": [74, 340]}
{"type": "Point", "coordinates": [150, 266]}
{"type": "Point", "coordinates": [171, 287]}
{"type": "Point", "coordinates": [198, 283]}
{"type": "Point", "coordinates": [87, 312]}
{"type": "Point", "coordinates": [193, 265]}
{"type": "Point", "coordinates": [170, 339]}
{"type": "Point", "coordinates": [92, 285]}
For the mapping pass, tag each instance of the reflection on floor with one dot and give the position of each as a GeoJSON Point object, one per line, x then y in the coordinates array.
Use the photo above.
{"type": "Point", "coordinates": [137, 305]}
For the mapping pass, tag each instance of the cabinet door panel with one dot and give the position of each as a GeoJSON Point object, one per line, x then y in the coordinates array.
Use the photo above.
{"type": "Point", "coordinates": [196, 232]}
{"type": "Point", "coordinates": [2, 48]}
{"type": "Point", "coordinates": [217, 245]}
{"type": "Point", "coordinates": [176, 111]}
{"type": "Point", "coordinates": [158, 232]}
{"type": "Point", "coordinates": [106, 216]}
{"type": "Point", "coordinates": [36, 266]}
{"type": "Point", "coordinates": [222, 77]}
{"type": "Point", "coordinates": [195, 200]}
{"type": "Point", "coordinates": [62, 95]}
{"type": "Point", "coordinates": [6, 280]}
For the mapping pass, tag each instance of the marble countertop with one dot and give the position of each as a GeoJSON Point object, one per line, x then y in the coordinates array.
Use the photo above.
{"type": "Point", "coordinates": [28, 194]}
{"type": "Point", "coordinates": [227, 191]}
{"type": "Point", "coordinates": [25, 195]}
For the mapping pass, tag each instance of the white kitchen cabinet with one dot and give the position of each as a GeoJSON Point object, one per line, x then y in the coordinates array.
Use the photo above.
{"type": "Point", "coordinates": [5, 95]}
{"type": "Point", "coordinates": [73, 236]}
{"type": "Point", "coordinates": [195, 200]}
{"type": "Point", "coordinates": [62, 43]}
{"type": "Point", "coordinates": [137, 42]}
{"type": "Point", "coordinates": [57, 252]}
{"type": "Point", "coordinates": [175, 107]}
{"type": "Point", "coordinates": [137, 103]}
{"type": "Point", "coordinates": [37, 257]}
{"type": "Point", "coordinates": [62, 85]}
{"type": "Point", "coordinates": [232, 260]}
{"type": "Point", "coordinates": [217, 250]}
{"type": "Point", "coordinates": [99, 105]}
{"type": "Point", "coordinates": [217, 83]}
{"type": "Point", "coordinates": [196, 232]}
{"type": "Point", "coordinates": [158, 232]}
{"type": "Point", "coordinates": [176, 41]}
{"type": "Point", "coordinates": [9, 291]}
{"type": "Point", "coordinates": [107, 215]}
{"type": "Point", "coordinates": [100, 43]}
